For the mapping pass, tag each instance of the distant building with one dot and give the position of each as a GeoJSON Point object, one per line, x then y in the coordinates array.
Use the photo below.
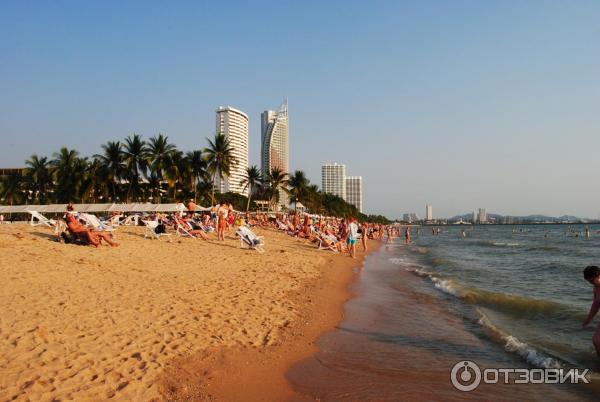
{"type": "Point", "coordinates": [9, 171]}
{"type": "Point", "coordinates": [333, 179]}
{"type": "Point", "coordinates": [410, 217]}
{"type": "Point", "coordinates": [354, 191]}
{"type": "Point", "coordinates": [482, 215]}
{"type": "Point", "coordinates": [428, 213]}
{"type": "Point", "coordinates": [275, 150]}
{"type": "Point", "coordinates": [474, 218]}
{"type": "Point", "coordinates": [233, 124]}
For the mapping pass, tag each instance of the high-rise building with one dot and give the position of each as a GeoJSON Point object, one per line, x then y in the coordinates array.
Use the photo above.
{"type": "Point", "coordinates": [354, 191]}
{"type": "Point", "coordinates": [275, 144]}
{"type": "Point", "coordinates": [428, 213]}
{"type": "Point", "coordinates": [333, 179]}
{"type": "Point", "coordinates": [474, 218]}
{"type": "Point", "coordinates": [233, 124]}
{"type": "Point", "coordinates": [482, 215]}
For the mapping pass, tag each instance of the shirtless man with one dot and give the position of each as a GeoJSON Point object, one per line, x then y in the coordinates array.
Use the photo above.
{"type": "Point", "coordinates": [93, 237]}
{"type": "Point", "coordinates": [592, 275]}
{"type": "Point", "coordinates": [191, 207]}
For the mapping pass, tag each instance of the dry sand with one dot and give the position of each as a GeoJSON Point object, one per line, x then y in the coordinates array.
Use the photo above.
{"type": "Point", "coordinates": [153, 319]}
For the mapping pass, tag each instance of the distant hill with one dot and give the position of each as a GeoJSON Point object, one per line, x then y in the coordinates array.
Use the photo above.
{"type": "Point", "coordinates": [528, 218]}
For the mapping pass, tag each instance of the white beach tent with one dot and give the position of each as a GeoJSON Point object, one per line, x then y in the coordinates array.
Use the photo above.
{"type": "Point", "coordinates": [95, 208]}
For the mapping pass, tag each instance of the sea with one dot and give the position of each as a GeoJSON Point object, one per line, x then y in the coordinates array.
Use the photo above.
{"type": "Point", "coordinates": [510, 297]}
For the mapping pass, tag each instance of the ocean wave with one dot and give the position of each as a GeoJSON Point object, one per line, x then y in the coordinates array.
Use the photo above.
{"type": "Point", "coordinates": [446, 286]}
{"type": "Point", "coordinates": [513, 345]}
{"type": "Point", "coordinates": [514, 305]}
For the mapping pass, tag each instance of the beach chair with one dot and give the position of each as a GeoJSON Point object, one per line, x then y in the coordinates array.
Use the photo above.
{"type": "Point", "coordinates": [183, 229]}
{"type": "Point", "coordinates": [150, 230]}
{"type": "Point", "coordinates": [39, 219]}
{"type": "Point", "coordinates": [114, 220]}
{"type": "Point", "coordinates": [95, 223]}
{"type": "Point", "coordinates": [131, 220]}
{"type": "Point", "coordinates": [325, 239]}
{"type": "Point", "coordinates": [250, 240]}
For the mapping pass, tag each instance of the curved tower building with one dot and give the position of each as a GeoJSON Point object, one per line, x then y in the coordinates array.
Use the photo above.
{"type": "Point", "coordinates": [234, 124]}
{"type": "Point", "coordinates": [275, 143]}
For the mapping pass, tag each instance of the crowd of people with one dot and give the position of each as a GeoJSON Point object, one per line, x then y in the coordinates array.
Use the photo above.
{"type": "Point", "coordinates": [337, 234]}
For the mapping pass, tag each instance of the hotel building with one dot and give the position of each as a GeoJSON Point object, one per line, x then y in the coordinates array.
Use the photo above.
{"type": "Point", "coordinates": [354, 191]}
{"type": "Point", "coordinates": [275, 144]}
{"type": "Point", "coordinates": [333, 179]}
{"type": "Point", "coordinates": [233, 124]}
{"type": "Point", "coordinates": [428, 213]}
{"type": "Point", "coordinates": [482, 215]}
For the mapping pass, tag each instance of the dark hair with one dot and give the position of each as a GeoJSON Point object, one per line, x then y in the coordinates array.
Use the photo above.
{"type": "Point", "coordinates": [591, 272]}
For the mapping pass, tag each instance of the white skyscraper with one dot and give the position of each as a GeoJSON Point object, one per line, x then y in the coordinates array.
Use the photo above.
{"type": "Point", "coordinates": [354, 191]}
{"type": "Point", "coordinates": [428, 213]}
{"type": "Point", "coordinates": [482, 215]}
{"type": "Point", "coordinates": [233, 124]}
{"type": "Point", "coordinates": [275, 144]}
{"type": "Point", "coordinates": [333, 179]}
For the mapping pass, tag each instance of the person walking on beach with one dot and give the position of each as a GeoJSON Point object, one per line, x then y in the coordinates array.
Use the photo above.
{"type": "Point", "coordinates": [592, 275]}
{"type": "Point", "coordinates": [222, 222]}
{"type": "Point", "coordinates": [364, 229]}
{"type": "Point", "coordinates": [407, 235]}
{"type": "Point", "coordinates": [352, 237]}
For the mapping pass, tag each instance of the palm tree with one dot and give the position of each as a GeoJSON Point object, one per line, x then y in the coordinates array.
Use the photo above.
{"type": "Point", "coordinates": [159, 153]}
{"type": "Point", "coordinates": [11, 187]}
{"type": "Point", "coordinates": [135, 157]}
{"type": "Point", "coordinates": [220, 159]}
{"type": "Point", "coordinates": [250, 182]}
{"type": "Point", "coordinates": [276, 180]}
{"type": "Point", "coordinates": [67, 174]}
{"type": "Point", "coordinates": [95, 182]}
{"type": "Point", "coordinates": [112, 161]}
{"type": "Point", "coordinates": [177, 171]}
{"type": "Point", "coordinates": [298, 184]}
{"type": "Point", "coordinates": [198, 167]}
{"type": "Point", "coordinates": [38, 173]}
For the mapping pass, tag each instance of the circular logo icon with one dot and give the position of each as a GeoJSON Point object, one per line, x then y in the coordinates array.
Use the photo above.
{"type": "Point", "coordinates": [465, 376]}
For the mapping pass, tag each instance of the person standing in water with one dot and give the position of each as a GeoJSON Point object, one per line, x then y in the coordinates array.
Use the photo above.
{"type": "Point", "coordinates": [592, 275]}
{"type": "Point", "coordinates": [407, 235]}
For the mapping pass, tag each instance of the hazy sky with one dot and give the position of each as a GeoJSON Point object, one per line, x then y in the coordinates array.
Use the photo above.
{"type": "Point", "coordinates": [458, 104]}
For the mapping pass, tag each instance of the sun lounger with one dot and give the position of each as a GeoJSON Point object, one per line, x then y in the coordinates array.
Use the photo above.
{"type": "Point", "coordinates": [94, 222]}
{"type": "Point", "coordinates": [150, 230]}
{"type": "Point", "coordinates": [183, 229]}
{"type": "Point", "coordinates": [41, 220]}
{"type": "Point", "coordinates": [250, 240]}
{"type": "Point", "coordinates": [132, 220]}
{"type": "Point", "coordinates": [325, 239]}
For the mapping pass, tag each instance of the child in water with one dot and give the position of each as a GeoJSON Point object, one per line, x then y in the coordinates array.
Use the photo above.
{"type": "Point", "coordinates": [592, 275]}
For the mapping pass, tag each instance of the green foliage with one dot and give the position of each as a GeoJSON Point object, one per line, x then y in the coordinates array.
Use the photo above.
{"type": "Point", "coordinates": [238, 200]}
{"type": "Point", "coordinates": [156, 171]}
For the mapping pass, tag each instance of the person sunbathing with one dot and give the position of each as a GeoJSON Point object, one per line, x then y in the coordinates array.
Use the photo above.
{"type": "Point", "coordinates": [92, 237]}
{"type": "Point", "coordinates": [195, 231]}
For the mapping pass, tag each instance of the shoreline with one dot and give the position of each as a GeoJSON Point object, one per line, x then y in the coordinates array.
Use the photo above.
{"type": "Point", "coordinates": [260, 374]}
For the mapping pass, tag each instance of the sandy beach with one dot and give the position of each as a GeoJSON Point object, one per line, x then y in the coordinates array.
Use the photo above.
{"type": "Point", "coordinates": [152, 320]}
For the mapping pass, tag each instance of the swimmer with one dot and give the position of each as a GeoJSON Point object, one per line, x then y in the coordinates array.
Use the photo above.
{"type": "Point", "coordinates": [592, 275]}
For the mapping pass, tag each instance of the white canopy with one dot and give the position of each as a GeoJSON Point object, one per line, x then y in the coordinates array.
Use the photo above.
{"type": "Point", "coordinates": [58, 208]}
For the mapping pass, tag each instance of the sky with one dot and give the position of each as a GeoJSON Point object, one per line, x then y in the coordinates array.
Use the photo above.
{"type": "Point", "coordinates": [459, 104]}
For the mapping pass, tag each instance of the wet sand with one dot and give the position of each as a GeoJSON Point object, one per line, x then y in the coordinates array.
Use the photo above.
{"type": "Point", "coordinates": [152, 320]}
{"type": "Point", "coordinates": [399, 341]}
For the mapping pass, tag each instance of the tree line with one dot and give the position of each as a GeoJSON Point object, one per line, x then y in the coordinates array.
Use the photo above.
{"type": "Point", "coordinates": [154, 170]}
